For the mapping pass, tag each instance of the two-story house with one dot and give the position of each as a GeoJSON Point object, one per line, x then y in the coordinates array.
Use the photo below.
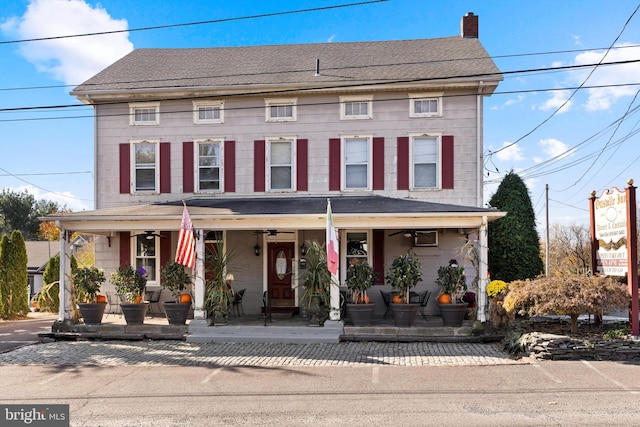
{"type": "Point", "coordinates": [254, 140]}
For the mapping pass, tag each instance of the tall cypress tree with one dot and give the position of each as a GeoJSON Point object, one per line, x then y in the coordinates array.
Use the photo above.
{"type": "Point", "coordinates": [514, 245]}
{"type": "Point", "coordinates": [5, 288]}
{"type": "Point", "coordinates": [19, 279]}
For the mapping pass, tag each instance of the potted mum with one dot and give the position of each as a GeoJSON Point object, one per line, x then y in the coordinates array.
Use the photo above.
{"type": "Point", "coordinates": [405, 273]}
{"type": "Point", "coordinates": [452, 307]}
{"type": "Point", "coordinates": [175, 279]}
{"type": "Point", "coordinates": [88, 281]}
{"type": "Point", "coordinates": [130, 284]}
{"type": "Point", "coordinates": [360, 277]}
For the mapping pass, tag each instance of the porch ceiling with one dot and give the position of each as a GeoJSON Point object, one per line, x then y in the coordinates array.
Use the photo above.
{"type": "Point", "coordinates": [250, 213]}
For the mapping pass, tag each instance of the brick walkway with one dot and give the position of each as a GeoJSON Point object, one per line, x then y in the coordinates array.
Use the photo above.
{"type": "Point", "coordinates": [147, 353]}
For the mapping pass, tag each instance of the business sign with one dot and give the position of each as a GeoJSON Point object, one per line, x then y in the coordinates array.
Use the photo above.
{"type": "Point", "coordinates": [610, 212]}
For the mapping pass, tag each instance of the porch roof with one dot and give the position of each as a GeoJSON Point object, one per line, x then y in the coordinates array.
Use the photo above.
{"type": "Point", "coordinates": [249, 213]}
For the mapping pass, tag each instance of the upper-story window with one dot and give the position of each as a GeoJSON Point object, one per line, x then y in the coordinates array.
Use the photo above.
{"type": "Point", "coordinates": [205, 112]}
{"type": "Point", "coordinates": [356, 107]}
{"type": "Point", "coordinates": [425, 153]}
{"type": "Point", "coordinates": [280, 163]}
{"type": "Point", "coordinates": [209, 164]}
{"type": "Point", "coordinates": [144, 113]}
{"type": "Point", "coordinates": [356, 162]}
{"type": "Point", "coordinates": [281, 110]}
{"type": "Point", "coordinates": [146, 254]}
{"type": "Point", "coordinates": [145, 166]}
{"type": "Point", "coordinates": [425, 105]}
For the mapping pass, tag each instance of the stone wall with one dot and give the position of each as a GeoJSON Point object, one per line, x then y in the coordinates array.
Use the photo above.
{"type": "Point", "coordinates": [545, 346]}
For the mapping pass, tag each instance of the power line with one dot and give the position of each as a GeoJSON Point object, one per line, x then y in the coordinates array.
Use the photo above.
{"type": "Point", "coordinates": [212, 21]}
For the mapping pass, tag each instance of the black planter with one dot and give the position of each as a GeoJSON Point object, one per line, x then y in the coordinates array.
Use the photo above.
{"type": "Point", "coordinates": [404, 314]}
{"type": "Point", "coordinates": [361, 314]}
{"type": "Point", "coordinates": [177, 312]}
{"type": "Point", "coordinates": [453, 314]}
{"type": "Point", "coordinates": [134, 313]}
{"type": "Point", "coordinates": [92, 312]}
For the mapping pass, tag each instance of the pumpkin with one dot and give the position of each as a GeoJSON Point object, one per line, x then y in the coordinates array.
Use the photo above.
{"type": "Point", "coordinates": [367, 300]}
{"type": "Point", "coordinates": [101, 298]}
{"type": "Point", "coordinates": [138, 299]}
{"type": "Point", "coordinates": [396, 299]}
{"type": "Point", "coordinates": [185, 298]}
{"type": "Point", "coordinates": [444, 299]}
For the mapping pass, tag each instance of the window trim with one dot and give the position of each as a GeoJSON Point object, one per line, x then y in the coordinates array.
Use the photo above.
{"type": "Point", "coordinates": [133, 106]}
{"type": "Point", "coordinates": [268, 141]}
{"type": "Point", "coordinates": [344, 100]}
{"type": "Point", "coordinates": [343, 161]}
{"type": "Point", "coordinates": [196, 166]}
{"type": "Point", "coordinates": [344, 260]}
{"type": "Point", "coordinates": [133, 183]}
{"type": "Point", "coordinates": [210, 103]}
{"type": "Point", "coordinates": [135, 234]}
{"type": "Point", "coordinates": [273, 102]}
{"type": "Point", "coordinates": [425, 97]}
{"type": "Point", "coordinates": [438, 172]}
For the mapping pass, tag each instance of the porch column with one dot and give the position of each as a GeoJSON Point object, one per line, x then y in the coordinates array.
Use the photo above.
{"type": "Point", "coordinates": [334, 314]}
{"type": "Point", "coordinates": [64, 310]}
{"type": "Point", "coordinates": [484, 268]}
{"type": "Point", "coordinates": [199, 312]}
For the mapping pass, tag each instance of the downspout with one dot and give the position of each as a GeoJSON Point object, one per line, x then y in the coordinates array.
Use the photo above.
{"type": "Point", "coordinates": [479, 144]}
{"type": "Point", "coordinates": [483, 270]}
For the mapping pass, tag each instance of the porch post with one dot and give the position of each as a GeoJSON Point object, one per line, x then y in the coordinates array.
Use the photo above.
{"type": "Point", "coordinates": [334, 314]}
{"type": "Point", "coordinates": [484, 268]}
{"type": "Point", "coordinates": [64, 310]}
{"type": "Point", "coordinates": [199, 312]}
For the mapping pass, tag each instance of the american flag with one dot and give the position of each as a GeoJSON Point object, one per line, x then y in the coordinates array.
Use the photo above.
{"type": "Point", "coordinates": [186, 251]}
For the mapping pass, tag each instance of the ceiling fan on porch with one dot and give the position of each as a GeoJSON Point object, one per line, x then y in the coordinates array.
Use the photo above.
{"type": "Point", "coordinates": [273, 232]}
{"type": "Point", "coordinates": [149, 235]}
{"type": "Point", "coordinates": [405, 233]}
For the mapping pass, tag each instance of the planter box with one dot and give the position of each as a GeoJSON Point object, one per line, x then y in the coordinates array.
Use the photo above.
{"type": "Point", "coordinates": [453, 314]}
{"type": "Point", "coordinates": [92, 312]}
{"type": "Point", "coordinates": [134, 313]}
{"type": "Point", "coordinates": [177, 312]}
{"type": "Point", "coordinates": [404, 314]}
{"type": "Point", "coordinates": [361, 314]}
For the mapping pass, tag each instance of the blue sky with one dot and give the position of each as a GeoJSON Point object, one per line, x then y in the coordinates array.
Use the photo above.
{"type": "Point", "coordinates": [582, 147]}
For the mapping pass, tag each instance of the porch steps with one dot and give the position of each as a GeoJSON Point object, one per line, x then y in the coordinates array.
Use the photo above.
{"type": "Point", "coordinates": [73, 332]}
{"type": "Point", "coordinates": [199, 332]}
{"type": "Point", "coordinates": [415, 334]}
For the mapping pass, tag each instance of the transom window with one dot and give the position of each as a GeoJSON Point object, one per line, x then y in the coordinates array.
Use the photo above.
{"type": "Point", "coordinates": [145, 166]}
{"type": "Point", "coordinates": [208, 112]}
{"type": "Point", "coordinates": [144, 113]}
{"type": "Point", "coordinates": [281, 110]}
{"type": "Point", "coordinates": [356, 161]}
{"type": "Point", "coordinates": [280, 163]}
{"type": "Point", "coordinates": [146, 254]}
{"type": "Point", "coordinates": [355, 107]}
{"type": "Point", "coordinates": [425, 154]}
{"type": "Point", "coordinates": [425, 105]}
{"type": "Point", "coordinates": [208, 168]}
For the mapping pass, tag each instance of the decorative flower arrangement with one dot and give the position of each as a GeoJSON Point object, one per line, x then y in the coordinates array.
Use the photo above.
{"type": "Point", "coordinates": [405, 272]}
{"type": "Point", "coordinates": [130, 283]}
{"type": "Point", "coordinates": [452, 279]}
{"type": "Point", "coordinates": [496, 288]}
{"type": "Point", "coordinates": [469, 298]}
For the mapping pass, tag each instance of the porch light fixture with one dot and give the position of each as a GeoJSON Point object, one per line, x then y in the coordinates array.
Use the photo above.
{"type": "Point", "coordinates": [303, 249]}
{"type": "Point", "coordinates": [256, 248]}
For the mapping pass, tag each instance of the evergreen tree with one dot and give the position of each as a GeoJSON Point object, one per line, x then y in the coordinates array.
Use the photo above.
{"type": "Point", "coordinates": [19, 279]}
{"type": "Point", "coordinates": [5, 290]}
{"type": "Point", "coordinates": [514, 246]}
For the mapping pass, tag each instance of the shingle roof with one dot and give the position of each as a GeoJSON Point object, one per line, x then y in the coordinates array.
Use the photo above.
{"type": "Point", "coordinates": [295, 65]}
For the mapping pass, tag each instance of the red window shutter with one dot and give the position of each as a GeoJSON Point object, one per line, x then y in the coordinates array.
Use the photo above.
{"type": "Point", "coordinates": [302, 165]}
{"type": "Point", "coordinates": [378, 256]}
{"type": "Point", "coordinates": [334, 164]}
{"type": "Point", "coordinates": [230, 166]}
{"type": "Point", "coordinates": [165, 248]}
{"type": "Point", "coordinates": [447, 162]}
{"type": "Point", "coordinates": [125, 169]}
{"type": "Point", "coordinates": [125, 247]}
{"type": "Point", "coordinates": [187, 167]}
{"type": "Point", "coordinates": [259, 173]}
{"type": "Point", "coordinates": [378, 163]}
{"type": "Point", "coordinates": [165, 167]}
{"type": "Point", "coordinates": [403, 163]}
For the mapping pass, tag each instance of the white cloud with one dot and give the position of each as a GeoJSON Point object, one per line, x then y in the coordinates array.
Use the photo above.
{"type": "Point", "coordinates": [554, 148]}
{"type": "Point", "coordinates": [72, 60]}
{"type": "Point", "coordinates": [512, 153]}
{"type": "Point", "coordinates": [64, 199]}
{"type": "Point", "coordinates": [330, 39]}
{"type": "Point", "coordinates": [558, 99]}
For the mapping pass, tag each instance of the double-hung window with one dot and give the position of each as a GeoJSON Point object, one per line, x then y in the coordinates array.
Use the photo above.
{"type": "Point", "coordinates": [145, 166]}
{"type": "Point", "coordinates": [209, 164]}
{"type": "Point", "coordinates": [205, 112]}
{"type": "Point", "coordinates": [146, 254]}
{"type": "Point", "coordinates": [425, 105]}
{"type": "Point", "coordinates": [144, 113]}
{"type": "Point", "coordinates": [280, 163]}
{"type": "Point", "coordinates": [425, 153]}
{"type": "Point", "coordinates": [356, 107]}
{"type": "Point", "coordinates": [356, 162]}
{"type": "Point", "coordinates": [280, 110]}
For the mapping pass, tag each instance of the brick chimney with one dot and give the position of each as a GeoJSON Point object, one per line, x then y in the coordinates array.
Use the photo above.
{"type": "Point", "coordinates": [469, 26]}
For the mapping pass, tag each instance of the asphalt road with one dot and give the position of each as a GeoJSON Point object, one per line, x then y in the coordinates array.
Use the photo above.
{"type": "Point", "coordinates": [16, 334]}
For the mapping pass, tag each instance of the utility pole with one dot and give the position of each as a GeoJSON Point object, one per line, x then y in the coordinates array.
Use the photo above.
{"type": "Point", "coordinates": [547, 251]}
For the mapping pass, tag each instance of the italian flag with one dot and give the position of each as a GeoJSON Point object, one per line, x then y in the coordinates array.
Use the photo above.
{"type": "Point", "coordinates": [332, 243]}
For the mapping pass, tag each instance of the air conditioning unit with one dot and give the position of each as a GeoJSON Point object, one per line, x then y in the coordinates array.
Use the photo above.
{"type": "Point", "coordinates": [426, 238]}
